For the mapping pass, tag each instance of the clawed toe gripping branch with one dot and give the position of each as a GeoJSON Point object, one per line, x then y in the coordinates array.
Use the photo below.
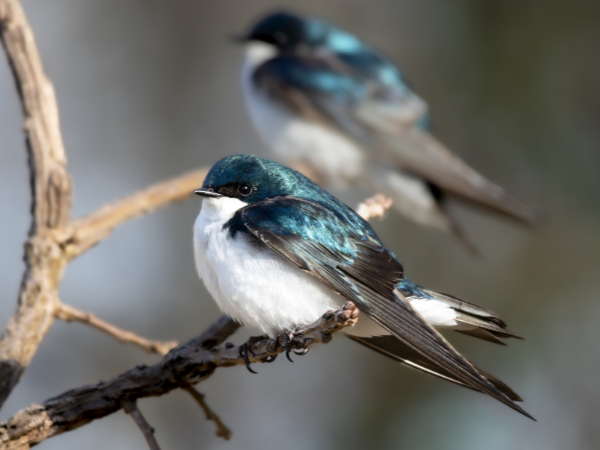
{"type": "Point", "coordinates": [55, 239]}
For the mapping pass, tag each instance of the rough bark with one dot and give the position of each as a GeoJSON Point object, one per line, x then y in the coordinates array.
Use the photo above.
{"type": "Point", "coordinates": [182, 367]}
{"type": "Point", "coordinates": [51, 199]}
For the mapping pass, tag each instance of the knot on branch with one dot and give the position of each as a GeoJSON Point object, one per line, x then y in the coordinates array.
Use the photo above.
{"type": "Point", "coordinates": [59, 197]}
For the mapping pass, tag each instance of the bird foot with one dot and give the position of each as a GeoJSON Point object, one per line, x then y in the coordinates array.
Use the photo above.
{"type": "Point", "coordinates": [244, 351]}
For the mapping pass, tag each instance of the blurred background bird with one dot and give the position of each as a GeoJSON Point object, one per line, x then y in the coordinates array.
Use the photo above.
{"type": "Point", "coordinates": [338, 110]}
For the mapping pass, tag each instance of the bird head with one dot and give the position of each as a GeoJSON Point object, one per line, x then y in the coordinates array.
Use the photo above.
{"type": "Point", "coordinates": [251, 179]}
{"type": "Point", "coordinates": [282, 31]}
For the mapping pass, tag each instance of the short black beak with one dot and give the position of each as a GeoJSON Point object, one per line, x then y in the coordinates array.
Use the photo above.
{"type": "Point", "coordinates": [207, 192]}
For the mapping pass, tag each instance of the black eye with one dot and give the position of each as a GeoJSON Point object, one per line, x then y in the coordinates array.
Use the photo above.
{"type": "Point", "coordinates": [245, 189]}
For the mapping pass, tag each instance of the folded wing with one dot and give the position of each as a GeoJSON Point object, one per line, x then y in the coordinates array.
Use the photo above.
{"type": "Point", "coordinates": [342, 251]}
{"type": "Point", "coordinates": [372, 104]}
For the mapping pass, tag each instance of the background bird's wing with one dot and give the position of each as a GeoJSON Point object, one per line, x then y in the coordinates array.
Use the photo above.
{"type": "Point", "coordinates": [347, 257]}
{"type": "Point", "coordinates": [369, 101]}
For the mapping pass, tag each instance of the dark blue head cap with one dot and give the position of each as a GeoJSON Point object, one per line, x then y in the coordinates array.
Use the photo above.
{"type": "Point", "coordinates": [252, 179]}
{"type": "Point", "coordinates": [282, 29]}
{"type": "Point", "coordinates": [287, 31]}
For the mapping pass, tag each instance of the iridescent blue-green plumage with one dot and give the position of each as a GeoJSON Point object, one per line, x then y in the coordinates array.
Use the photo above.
{"type": "Point", "coordinates": [289, 214]}
{"type": "Point", "coordinates": [329, 224]}
{"type": "Point", "coordinates": [366, 73]}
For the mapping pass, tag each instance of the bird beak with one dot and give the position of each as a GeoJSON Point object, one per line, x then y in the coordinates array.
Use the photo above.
{"type": "Point", "coordinates": [207, 192]}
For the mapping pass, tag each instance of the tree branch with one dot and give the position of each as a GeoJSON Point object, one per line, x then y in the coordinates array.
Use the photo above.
{"type": "Point", "coordinates": [182, 367]}
{"type": "Point", "coordinates": [51, 199]}
{"type": "Point", "coordinates": [87, 231]}
{"type": "Point", "coordinates": [53, 240]}
{"type": "Point", "coordinates": [222, 430]}
{"type": "Point", "coordinates": [131, 408]}
{"type": "Point", "coordinates": [70, 314]}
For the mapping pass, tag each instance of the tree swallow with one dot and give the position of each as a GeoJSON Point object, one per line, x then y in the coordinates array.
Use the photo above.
{"type": "Point", "coordinates": [320, 97]}
{"type": "Point", "coordinates": [276, 252]}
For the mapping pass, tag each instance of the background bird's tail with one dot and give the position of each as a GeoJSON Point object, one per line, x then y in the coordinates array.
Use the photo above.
{"type": "Point", "coordinates": [417, 200]}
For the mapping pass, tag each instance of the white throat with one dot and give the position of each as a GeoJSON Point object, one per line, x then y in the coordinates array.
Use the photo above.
{"type": "Point", "coordinates": [257, 53]}
{"type": "Point", "coordinates": [220, 209]}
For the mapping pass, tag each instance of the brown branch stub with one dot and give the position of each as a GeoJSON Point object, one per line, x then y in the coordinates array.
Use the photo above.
{"type": "Point", "coordinates": [375, 206]}
{"type": "Point", "coordinates": [70, 314]}
{"type": "Point", "coordinates": [130, 407]}
{"type": "Point", "coordinates": [182, 367]}
{"type": "Point", "coordinates": [222, 430]}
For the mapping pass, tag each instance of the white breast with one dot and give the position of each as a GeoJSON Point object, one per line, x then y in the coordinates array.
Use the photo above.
{"type": "Point", "coordinates": [293, 138]}
{"type": "Point", "coordinates": [255, 286]}
{"type": "Point", "coordinates": [261, 289]}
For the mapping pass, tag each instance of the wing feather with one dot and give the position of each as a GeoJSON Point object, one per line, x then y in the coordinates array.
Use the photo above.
{"type": "Point", "coordinates": [384, 117]}
{"type": "Point", "coordinates": [349, 259]}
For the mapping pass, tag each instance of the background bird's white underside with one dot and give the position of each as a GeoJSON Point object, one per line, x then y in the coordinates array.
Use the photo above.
{"type": "Point", "coordinates": [293, 138]}
{"type": "Point", "coordinates": [260, 289]}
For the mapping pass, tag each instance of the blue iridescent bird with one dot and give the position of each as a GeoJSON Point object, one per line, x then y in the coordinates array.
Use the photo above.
{"type": "Point", "coordinates": [276, 252]}
{"type": "Point", "coordinates": [321, 98]}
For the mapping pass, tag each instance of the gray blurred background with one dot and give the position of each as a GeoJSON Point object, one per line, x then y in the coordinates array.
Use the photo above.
{"type": "Point", "coordinates": [148, 89]}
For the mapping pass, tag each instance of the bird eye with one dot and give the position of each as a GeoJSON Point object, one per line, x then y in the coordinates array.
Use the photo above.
{"type": "Point", "coordinates": [245, 189]}
{"type": "Point", "coordinates": [280, 37]}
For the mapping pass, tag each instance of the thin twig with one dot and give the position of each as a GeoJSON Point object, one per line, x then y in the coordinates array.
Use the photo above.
{"type": "Point", "coordinates": [87, 231]}
{"type": "Point", "coordinates": [131, 408]}
{"type": "Point", "coordinates": [183, 366]}
{"type": "Point", "coordinates": [222, 430]}
{"type": "Point", "coordinates": [70, 314]}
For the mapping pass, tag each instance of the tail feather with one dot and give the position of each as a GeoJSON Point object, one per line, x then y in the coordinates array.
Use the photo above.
{"type": "Point", "coordinates": [418, 152]}
{"type": "Point", "coordinates": [475, 320]}
{"type": "Point", "coordinates": [397, 350]}
{"type": "Point", "coordinates": [417, 200]}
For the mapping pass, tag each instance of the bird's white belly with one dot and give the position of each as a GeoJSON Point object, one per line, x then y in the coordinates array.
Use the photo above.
{"type": "Point", "coordinates": [261, 289]}
{"type": "Point", "coordinates": [293, 138]}
{"type": "Point", "coordinates": [255, 286]}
